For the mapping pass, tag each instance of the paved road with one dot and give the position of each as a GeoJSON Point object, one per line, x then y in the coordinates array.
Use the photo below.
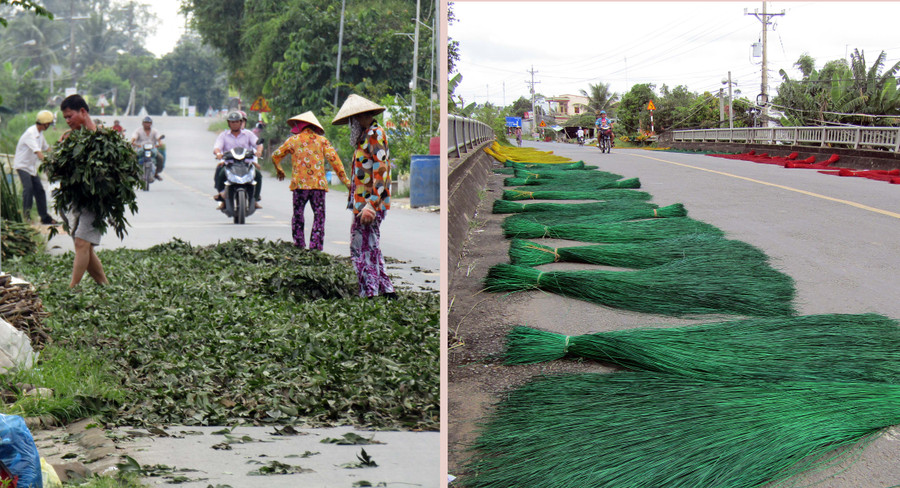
{"type": "Point", "coordinates": [181, 206]}
{"type": "Point", "coordinates": [839, 239]}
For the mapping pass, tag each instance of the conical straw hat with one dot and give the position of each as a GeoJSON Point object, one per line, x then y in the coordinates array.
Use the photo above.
{"type": "Point", "coordinates": [308, 117]}
{"type": "Point", "coordinates": [353, 105]}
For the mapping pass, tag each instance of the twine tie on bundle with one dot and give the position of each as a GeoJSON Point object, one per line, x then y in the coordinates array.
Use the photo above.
{"type": "Point", "coordinates": [554, 252]}
{"type": "Point", "coordinates": [655, 214]}
{"type": "Point", "coordinates": [566, 347]}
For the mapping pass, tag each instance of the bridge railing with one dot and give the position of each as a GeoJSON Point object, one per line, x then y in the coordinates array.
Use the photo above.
{"type": "Point", "coordinates": [465, 134]}
{"type": "Point", "coordinates": [852, 137]}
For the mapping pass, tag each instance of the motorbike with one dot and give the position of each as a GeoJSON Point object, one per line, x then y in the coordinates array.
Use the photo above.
{"type": "Point", "coordinates": [148, 162]}
{"type": "Point", "coordinates": [605, 141]}
{"type": "Point", "coordinates": [580, 140]}
{"type": "Point", "coordinates": [240, 185]}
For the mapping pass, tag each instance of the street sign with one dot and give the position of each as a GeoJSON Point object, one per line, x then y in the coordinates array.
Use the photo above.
{"type": "Point", "coordinates": [260, 105]}
{"type": "Point", "coordinates": [543, 124]}
{"type": "Point", "coordinates": [514, 121]}
{"type": "Point", "coordinates": [650, 106]}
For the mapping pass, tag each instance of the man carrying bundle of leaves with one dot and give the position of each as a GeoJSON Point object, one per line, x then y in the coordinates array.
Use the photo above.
{"type": "Point", "coordinates": [97, 171]}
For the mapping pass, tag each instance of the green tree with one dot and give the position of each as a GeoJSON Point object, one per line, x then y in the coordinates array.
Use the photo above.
{"type": "Point", "coordinates": [600, 98]}
{"type": "Point", "coordinates": [99, 79]}
{"type": "Point", "coordinates": [519, 107]}
{"type": "Point", "coordinates": [27, 5]}
{"type": "Point", "coordinates": [632, 113]}
{"type": "Point", "coordinates": [197, 73]}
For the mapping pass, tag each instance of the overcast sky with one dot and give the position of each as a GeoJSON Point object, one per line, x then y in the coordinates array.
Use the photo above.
{"type": "Point", "coordinates": [574, 44]}
{"type": "Point", "coordinates": [170, 28]}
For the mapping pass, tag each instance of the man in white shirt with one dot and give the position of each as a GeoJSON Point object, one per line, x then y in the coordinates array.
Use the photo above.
{"type": "Point", "coordinates": [29, 152]}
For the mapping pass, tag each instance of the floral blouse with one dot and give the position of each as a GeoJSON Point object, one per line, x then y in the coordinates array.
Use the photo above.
{"type": "Point", "coordinates": [372, 171]}
{"type": "Point", "coordinates": [309, 151]}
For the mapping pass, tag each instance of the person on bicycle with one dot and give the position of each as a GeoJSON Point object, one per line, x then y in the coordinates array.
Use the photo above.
{"type": "Point", "coordinates": [604, 124]}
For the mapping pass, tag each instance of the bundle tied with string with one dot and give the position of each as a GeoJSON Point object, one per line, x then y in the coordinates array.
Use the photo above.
{"type": "Point", "coordinates": [640, 255]}
{"type": "Point", "coordinates": [613, 232]}
{"type": "Point", "coordinates": [551, 174]}
{"type": "Point", "coordinates": [827, 347]}
{"type": "Point", "coordinates": [574, 209]}
{"type": "Point", "coordinates": [557, 166]}
{"type": "Point", "coordinates": [610, 194]}
{"type": "Point", "coordinates": [612, 215]}
{"type": "Point", "coordinates": [644, 429]}
{"type": "Point", "coordinates": [581, 184]}
{"type": "Point", "coordinates": [693, 286]}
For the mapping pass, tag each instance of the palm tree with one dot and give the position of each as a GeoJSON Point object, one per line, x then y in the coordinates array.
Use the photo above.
{"type": "Point", "coordinates": [600, 98]}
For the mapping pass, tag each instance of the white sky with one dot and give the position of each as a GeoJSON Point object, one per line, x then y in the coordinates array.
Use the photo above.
{"type": "Point", "coordinates": [170, 28]}
{"type": "Point", "coordinates": [573, 44]}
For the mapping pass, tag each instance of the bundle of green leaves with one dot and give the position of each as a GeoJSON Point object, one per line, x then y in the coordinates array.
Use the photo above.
{"type": "Point", "coordinates": [96, 171]}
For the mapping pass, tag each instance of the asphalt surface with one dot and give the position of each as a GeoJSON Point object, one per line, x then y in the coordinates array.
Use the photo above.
{"type": "Point", "coordinates": [838, 238]}
{"type": "Point", "coordinates": [181, 206]}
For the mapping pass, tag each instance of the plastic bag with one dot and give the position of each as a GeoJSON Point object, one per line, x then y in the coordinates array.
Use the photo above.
{"type": "Point", "coordinates": [48, 474]}
{"type": "Point", "coordinates": [18, 451]}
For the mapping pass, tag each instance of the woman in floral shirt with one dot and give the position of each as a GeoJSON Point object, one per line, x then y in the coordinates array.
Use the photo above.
{"type": "Point", "coordinates": [309, 150]}
{"type": "Point", "coordinates": [371, 193]}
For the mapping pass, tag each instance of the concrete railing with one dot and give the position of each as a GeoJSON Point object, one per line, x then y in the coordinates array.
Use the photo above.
{"type": "Point", "coordinates": [851, 137]}
{"type": "Point", "coordinates": [465, 134]}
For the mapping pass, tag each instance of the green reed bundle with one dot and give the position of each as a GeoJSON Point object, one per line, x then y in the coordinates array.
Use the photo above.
{"type": "Point", "coordinates": [507, 206]}
{"type": "Point", "coordinates": [581, 184]}
{"type": "Point", "coordinates": [641, 429]}
{"type": "Point", "coordinates": [698, 285]}
{"type": "Point", "coordinates": [612, 232]}
{"type": "Point", "coordinates": [830, 347]}
{"type": "Point", "coordinates": [611, 215]}
{"type": "Point", "coordinates": [504, 171]}
{"type": "Point", "coordinates": [553, 174]}
{"type": "Point", "coordinates": [611, 194]}
{"type": "Point", "coordinates": [640, 255]}
{"type": "Point", "coordinates": [556, 166]}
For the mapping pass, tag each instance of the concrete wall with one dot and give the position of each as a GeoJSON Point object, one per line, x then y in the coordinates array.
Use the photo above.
{"type": "Point", "coordinates": [466, 177]}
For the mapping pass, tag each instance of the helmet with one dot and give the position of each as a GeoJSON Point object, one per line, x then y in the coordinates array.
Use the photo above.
{"type": "Point", "coordinates": [243, 114]}
{"type": "Point", "coordinates": [234, 117]}
{"type": "Point", "coordinates": [603, 112]}
{"type": "Point", "coordinates": [45, 117]}
{"type": "Point", "coordinates": [148, 119]}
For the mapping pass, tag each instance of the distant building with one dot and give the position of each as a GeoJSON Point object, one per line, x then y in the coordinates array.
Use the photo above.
{"type": "Point", "coordinates": [565, 106]}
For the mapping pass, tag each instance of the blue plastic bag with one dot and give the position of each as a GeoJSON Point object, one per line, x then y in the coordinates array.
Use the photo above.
{"type": "Point", "coordinates": [18, 451]}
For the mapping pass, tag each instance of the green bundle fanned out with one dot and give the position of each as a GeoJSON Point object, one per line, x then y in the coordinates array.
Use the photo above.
{"type": "Point", "coordinates": [830, 347]}
{"type": "Point", "coordinates": [508, 206]}
{"type": "Point", "coordinates": [96, 171]}
{"type": "Point", "coordinates": [557, 166]}
{"type": "Point", "coordinates": [694, 286]}
{"type": "Point", "coordinates": [576, 184]}
{"type": "Point", "coordinates": [504, 171]}
{"type": "Point", "coordinates": [640, 429]}
{"type": "Point", "coordinates": [551, 174]}
{"type": "Point", "coordinates": [611, 194]}
{"type": "Point", "coordinates": [635, 255]}
{"type": "Point", "coordinates": [612, 232]}
{"type": "Point", "coordinates": [611, 215]}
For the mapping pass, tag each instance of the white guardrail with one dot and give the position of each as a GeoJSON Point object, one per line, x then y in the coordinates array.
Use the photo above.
{"type": "Point", "coordinates": [852, 137]}
{"type": "Point", "coordinates": [465, 134]}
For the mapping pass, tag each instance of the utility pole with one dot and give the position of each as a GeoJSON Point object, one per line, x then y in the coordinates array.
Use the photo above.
{"type": "Point", "coordinates": [534, 116]}
{"type": "Point", "coordinates": [730, 104]}
{"type": "Point", "coordinates": [763, 98]}
{"type": "Point", "coordinates": [337, 74]}
{"type": "Point", "coordinates": [415, 74]}
{"type": "Point", "coordinates": [721, 107]}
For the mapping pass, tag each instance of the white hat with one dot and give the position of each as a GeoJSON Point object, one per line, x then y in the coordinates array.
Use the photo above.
{"type": "Point", "coordinates": [307, 117]}
{"type": "Point", "coordinates": [355, 105]}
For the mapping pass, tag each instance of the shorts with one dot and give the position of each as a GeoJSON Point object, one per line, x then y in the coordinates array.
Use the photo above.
{"type": "Point", "coordinates": [81, 225]}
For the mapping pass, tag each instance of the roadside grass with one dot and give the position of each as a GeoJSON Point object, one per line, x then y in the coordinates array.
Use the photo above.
{"type": "Point", "coordinates": [241, 332]}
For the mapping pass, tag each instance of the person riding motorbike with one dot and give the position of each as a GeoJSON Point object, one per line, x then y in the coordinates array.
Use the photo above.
{"type": "Point", "coordinates": [605, 125]}
{"type": "Point", "coordinates": [148, 134]}
{"type": "Point", "coordinates": [580, 136]}
{"type": "Point", "coordinates": [235, 136]}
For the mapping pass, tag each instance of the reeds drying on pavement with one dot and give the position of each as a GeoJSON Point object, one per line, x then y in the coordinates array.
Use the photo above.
{"type": "Point", "coordinates": [611, 215]}
{"type": "Point", "coordinates": [508, 206]}
{"type": "Point", "coordinates": [642, 429]}
{"type": "Point", "coordinates": [693, 286]}
{"type": "Point", "coordinates": [612, 194]}
{"type": "Point", "coordinates": [612, 232]}
{"type": "Point", "coordinates": [634, 255]}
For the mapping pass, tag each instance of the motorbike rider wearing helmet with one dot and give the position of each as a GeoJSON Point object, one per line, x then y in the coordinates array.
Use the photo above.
{"type": "Point", "coordinates": [234, 137]}
{"type": "Point", "coordinates": [602, 124]}
{"type": "Point", "coordinates": [148, 134]}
